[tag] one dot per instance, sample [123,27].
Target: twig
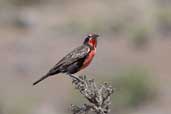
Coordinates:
[99,97]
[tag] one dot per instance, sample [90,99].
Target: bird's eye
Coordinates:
[89,36]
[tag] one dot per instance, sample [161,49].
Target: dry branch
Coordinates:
[99,97]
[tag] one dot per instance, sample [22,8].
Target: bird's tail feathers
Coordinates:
[41,79]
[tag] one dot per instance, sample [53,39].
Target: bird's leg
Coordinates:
[72,76]
[75,77]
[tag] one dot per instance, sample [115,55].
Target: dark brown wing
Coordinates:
[77,54]
[73,57]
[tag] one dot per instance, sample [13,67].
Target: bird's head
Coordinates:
[91,39]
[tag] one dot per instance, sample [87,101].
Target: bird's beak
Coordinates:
[96,35]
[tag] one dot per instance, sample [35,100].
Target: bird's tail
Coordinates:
[41,79]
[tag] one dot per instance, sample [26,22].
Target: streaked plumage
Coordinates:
[76,60]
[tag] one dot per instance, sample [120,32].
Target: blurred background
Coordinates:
[133,53]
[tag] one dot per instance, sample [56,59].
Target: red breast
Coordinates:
[91,40]
[88,59]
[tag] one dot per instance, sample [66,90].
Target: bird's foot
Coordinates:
[75,78]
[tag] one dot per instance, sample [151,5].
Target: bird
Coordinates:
[76,60]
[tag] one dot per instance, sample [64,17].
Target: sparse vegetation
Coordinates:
[134,87]
[99,97]
[164,21]
[139,37]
